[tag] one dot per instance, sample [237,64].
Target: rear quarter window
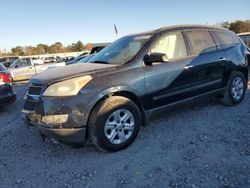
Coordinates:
[200,41]
[225,38]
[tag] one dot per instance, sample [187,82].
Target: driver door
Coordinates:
[162,78]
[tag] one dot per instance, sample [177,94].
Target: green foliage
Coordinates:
[46,49]
[77,46]
[238,26]
[18,51]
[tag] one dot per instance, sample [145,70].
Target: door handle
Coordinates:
[188,66]
[222,59]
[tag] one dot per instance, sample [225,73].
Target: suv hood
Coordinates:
[70,71]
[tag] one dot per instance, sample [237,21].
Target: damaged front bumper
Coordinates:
[61,118]
[63,135]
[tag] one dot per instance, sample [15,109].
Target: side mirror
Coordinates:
[155,58]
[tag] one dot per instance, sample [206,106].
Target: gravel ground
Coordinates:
[203,144]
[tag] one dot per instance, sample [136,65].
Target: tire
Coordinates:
[106,128]
[229,97]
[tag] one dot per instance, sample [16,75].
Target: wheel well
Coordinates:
[130,96]
[244,71]
[136,100]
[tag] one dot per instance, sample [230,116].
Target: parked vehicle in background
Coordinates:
[97,49]
[6,61]
[69,58]
[7,94]
[245,37]
[55,65]
[75,60]
[50,60]
[134,79]
[25,68]
[86,59]
[59,59]
[53,59]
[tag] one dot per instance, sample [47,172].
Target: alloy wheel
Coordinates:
[237,88]
[119,126]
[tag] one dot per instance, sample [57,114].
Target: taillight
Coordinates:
[5,78]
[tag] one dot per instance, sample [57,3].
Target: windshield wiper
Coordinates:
[100,62]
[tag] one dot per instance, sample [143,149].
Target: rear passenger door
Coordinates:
[209,62]
[234,50]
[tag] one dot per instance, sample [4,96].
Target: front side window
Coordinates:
[23,63]
[121,51]
[171,44]
[20,63]
[200,41]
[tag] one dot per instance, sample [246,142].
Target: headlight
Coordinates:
[68,87]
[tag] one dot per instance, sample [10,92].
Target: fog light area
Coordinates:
[55,119]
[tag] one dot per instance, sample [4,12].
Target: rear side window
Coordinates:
[171,44]
[225,38]
[200,41]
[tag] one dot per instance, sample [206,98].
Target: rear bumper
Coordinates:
[64,135]
[7,100]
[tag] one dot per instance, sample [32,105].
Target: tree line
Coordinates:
[238,26]
[49,49]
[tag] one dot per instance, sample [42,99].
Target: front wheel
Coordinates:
[235,90]
[114,123]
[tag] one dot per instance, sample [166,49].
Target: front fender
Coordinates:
[109,91]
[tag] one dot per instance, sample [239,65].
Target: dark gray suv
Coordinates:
[133,79]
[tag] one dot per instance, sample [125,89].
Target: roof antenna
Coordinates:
[115,30]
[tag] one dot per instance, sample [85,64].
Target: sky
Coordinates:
[30,22]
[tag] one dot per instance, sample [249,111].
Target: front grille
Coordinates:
[34,90]
[29,105]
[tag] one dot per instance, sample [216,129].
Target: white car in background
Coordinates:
[245,37]
[25,68]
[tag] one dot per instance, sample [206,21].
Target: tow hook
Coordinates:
[42,136]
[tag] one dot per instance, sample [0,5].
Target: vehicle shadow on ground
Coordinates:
[60,149]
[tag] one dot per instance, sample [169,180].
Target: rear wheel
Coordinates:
[235,90]
[114,123]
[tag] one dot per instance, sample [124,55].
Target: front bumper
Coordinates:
[63,135]
[62,118]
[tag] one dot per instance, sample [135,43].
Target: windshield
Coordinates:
[121,51]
